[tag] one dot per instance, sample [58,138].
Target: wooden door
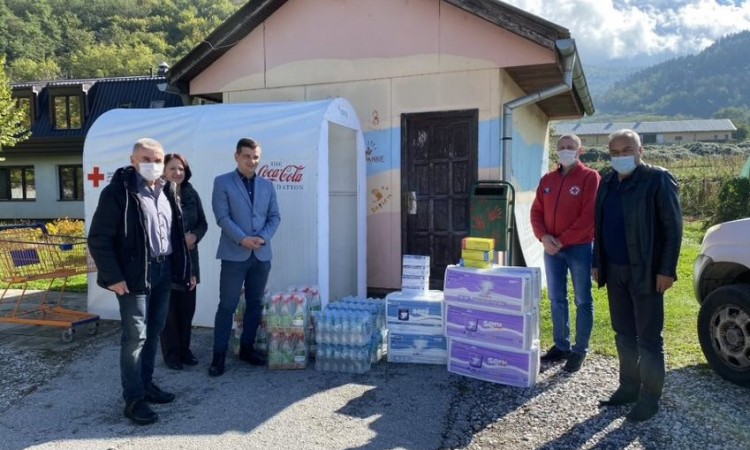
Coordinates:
[438,167]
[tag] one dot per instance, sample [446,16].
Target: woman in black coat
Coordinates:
[175,339]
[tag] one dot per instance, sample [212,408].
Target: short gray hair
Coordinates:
[149,143]
[572,136]
[626,133]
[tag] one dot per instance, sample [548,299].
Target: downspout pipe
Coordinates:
[567,49]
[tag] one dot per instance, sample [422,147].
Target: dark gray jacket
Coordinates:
[194,220]
[118,240]
[653,226]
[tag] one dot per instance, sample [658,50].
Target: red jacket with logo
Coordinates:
[564,205]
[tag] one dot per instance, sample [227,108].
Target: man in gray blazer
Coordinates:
[246,211]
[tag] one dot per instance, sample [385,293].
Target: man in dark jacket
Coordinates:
[137,240]
[638,233]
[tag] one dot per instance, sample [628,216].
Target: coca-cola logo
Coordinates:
[290,173]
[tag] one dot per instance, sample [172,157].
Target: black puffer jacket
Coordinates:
[194,220]
[118,239]
[653,226]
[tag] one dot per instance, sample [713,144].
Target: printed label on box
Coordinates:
[415,312]
[493,364]
[492,327]
[417,348]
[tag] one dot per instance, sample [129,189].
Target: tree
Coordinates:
[12,128]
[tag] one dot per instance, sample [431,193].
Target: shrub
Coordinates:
[733,202]
[67,227]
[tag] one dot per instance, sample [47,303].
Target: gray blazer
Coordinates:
[238,218]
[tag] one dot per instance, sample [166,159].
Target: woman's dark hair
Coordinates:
[170,156]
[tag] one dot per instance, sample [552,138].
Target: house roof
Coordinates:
[101,95]
[670,126]
[530,79]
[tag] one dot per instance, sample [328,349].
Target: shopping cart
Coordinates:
[29,253]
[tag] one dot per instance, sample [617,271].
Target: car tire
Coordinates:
[724,332]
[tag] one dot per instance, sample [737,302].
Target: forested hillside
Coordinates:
[56,39]
[700,85]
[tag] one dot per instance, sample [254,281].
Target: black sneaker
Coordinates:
[554,354]
[251,356]
[140,413]
[620,397]
[643,410]
[574,362]
[153,394]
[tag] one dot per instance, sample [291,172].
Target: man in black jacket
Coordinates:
[137,241]
[638,233]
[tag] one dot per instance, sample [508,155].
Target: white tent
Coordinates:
[314,153]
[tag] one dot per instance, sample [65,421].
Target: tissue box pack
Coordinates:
[494,327]
[494,364]
[411,312]
[416,260]
[513,290]
[417,348]
[476,243]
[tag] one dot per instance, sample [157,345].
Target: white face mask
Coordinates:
[623,164]
[567,157]
[150,171]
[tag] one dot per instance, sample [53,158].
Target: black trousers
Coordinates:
[175,338]
[638,321]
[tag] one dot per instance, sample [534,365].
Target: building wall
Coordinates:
[450,60]
[46,205]
[665,138]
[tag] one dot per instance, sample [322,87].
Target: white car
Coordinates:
[721,280]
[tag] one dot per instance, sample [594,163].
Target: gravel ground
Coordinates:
[699,410]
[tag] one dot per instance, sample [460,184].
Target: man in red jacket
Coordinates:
[562,217]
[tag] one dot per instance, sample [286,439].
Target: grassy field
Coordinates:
[681,312]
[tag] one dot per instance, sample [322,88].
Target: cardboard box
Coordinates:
[492,327]
[478,255]
[412,312]
[512,290]
[416,260]
[475,263]
[417,348]
[476,243]
[493,364]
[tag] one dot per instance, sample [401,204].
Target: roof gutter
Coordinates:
[573,78]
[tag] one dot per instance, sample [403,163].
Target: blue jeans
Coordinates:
[577,260]
[142,318]
[254,275]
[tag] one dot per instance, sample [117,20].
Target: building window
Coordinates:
[678,138]
[157,104]
[17,183]
[68,112]
[24,104]
[71,182]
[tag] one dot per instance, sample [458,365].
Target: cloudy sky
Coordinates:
[649,31]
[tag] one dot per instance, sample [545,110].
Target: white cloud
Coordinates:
[611,29]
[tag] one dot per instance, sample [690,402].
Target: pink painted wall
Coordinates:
[351,30]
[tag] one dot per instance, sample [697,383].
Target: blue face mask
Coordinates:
[623,164]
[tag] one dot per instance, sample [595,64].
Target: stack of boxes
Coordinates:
[415,317]
[492,323]
[477,252]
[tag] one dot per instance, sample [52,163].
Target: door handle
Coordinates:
[411,203]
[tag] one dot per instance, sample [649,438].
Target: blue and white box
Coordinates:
[492,327]
[417,348]
[513,290]
[411,312]
[494,364]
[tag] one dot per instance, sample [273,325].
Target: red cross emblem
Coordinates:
[95,176]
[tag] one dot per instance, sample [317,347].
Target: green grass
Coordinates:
[681,311]
[77,283]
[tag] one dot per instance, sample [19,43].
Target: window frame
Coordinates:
[78,179]
[68,116]
[7,196]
